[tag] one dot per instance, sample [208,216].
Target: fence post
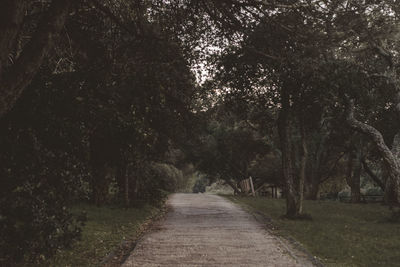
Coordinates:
[252,187]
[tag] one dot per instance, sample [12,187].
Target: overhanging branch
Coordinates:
[19,75]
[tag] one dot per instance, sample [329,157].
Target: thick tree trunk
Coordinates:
[390,192]
[390,195]
[390,157]
[15,78]
[391,161]
[284,128]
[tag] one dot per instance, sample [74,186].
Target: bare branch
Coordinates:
[372,174]
[254,50]
[114,18]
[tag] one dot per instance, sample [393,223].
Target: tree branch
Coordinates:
[389,158]
[372,175]
[19,75]
[12,14]
[332,170]
[254,50]
[385,54]
[111,16]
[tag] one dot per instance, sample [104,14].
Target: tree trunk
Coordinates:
[390,157]
[390,196]
[390,193]
[313,193]
[303,165]
[391,161]
[396,145]
[15,78]
[130,184]
[353,176]
[315,175]
[126,191]
[98,163]
[284,128]
[355,188]
[123,181]
[99,184]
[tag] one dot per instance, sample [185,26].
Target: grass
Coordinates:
[105,229]
[339,234]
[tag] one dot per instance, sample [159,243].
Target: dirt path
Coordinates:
[208,230]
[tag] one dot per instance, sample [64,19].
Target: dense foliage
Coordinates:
[96,124]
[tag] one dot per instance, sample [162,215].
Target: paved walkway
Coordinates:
[208,230]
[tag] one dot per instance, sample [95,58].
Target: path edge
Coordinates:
[295,249]
[122,252]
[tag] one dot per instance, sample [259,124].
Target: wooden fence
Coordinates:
[364,198]
[247,186]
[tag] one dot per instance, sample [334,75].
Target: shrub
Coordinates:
[34,226]
[375,191]
[36,187]
[156,180]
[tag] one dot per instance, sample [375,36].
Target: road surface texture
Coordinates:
[208,230]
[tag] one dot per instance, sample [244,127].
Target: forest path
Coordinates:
[208,230]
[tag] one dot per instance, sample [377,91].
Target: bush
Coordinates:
[375,191]
[34,226]
[343,194]
[167,176]
[36,187]
[156,180]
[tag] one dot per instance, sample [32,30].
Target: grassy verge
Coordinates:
[105,229]
[340,234]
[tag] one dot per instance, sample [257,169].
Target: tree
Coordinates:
[376,29]
[227,146]
[278,52]
[107,98]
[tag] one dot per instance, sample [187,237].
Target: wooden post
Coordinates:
[252,187]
